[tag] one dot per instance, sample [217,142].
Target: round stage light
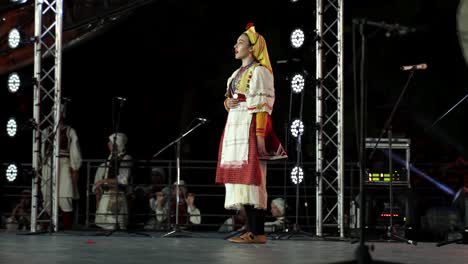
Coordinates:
[18,1]
[14,82]
[297,175]
[11,172]
[14,38]
[12,127]
[297,83]
[297,128]
[297,38]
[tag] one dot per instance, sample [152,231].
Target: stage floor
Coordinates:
[121,247]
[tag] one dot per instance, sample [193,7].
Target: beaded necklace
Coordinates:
[235,82]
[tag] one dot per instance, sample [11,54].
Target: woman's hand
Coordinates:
[74,178]
[261,146]
[190,201]
[232,103]
[160,200]
[99,184]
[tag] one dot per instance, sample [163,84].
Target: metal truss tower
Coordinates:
[47,111]
[329,115]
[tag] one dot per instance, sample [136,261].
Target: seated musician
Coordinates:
[110,185]
[188,213]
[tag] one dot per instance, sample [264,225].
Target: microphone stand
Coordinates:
[362,254]
[116,169]
[390,28]
[176,230]
[362,251]
[387,129]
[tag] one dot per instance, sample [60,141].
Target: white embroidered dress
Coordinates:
[235,146]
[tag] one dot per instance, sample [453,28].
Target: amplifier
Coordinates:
[378,166]
[383,178]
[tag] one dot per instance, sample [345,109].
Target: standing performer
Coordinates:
[110,189]
[70,163]
[248,135]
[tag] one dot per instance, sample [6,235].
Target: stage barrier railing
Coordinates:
[209,198]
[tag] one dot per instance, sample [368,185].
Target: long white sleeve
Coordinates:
[161,215]
[75,151]
[195,216]
[100,172]
[261,95]
[125,170]
[275,225]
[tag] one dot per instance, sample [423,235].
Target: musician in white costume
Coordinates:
[111,189]
[70,163]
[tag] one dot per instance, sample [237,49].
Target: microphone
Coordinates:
[204,120]
[397,30]
[121,98]
[405,30]
[281,61]
[391,29]
[421,66]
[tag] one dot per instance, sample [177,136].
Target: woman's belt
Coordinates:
[241,97]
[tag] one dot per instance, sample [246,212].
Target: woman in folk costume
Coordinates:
[248,136]
[110,189]
[70,163]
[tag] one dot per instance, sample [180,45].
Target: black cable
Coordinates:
[286,142]
[362,162]
[300,159]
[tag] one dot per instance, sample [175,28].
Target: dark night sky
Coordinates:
[171,60]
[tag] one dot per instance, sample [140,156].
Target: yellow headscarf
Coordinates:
[260,51]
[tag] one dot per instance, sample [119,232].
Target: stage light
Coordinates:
[14,38]
[297,128]
[297,83]
[14,82]
[11,172]
[11,127]
[294,1]
[297,175]
[17,38]
[18,1]
[297,38]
